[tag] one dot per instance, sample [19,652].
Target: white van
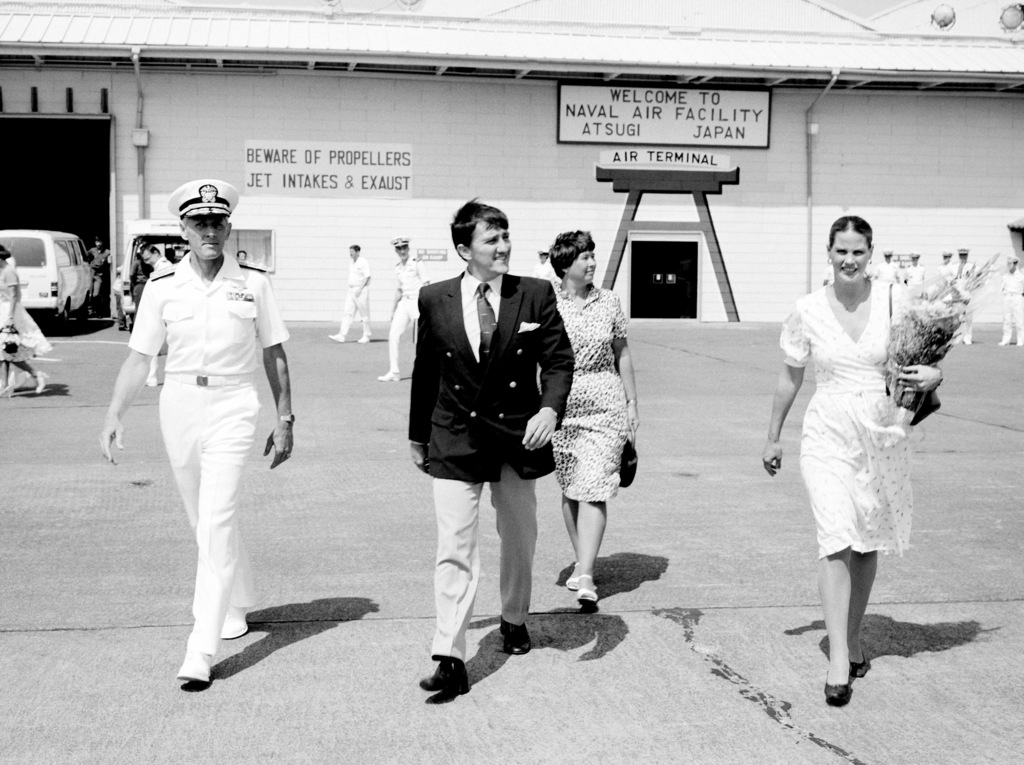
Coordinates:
[138,235]
[55,275]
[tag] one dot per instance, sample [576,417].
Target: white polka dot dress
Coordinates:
[857,473]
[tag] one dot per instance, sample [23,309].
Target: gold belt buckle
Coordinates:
[202,381]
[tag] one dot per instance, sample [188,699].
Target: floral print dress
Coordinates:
[856,469]
[588,443]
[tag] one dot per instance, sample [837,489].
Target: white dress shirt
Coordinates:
[358,272]
[470,316]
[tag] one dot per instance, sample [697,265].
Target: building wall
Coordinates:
[930,172]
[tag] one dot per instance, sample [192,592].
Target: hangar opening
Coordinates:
[57,174]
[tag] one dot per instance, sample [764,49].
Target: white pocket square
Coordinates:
[528,326]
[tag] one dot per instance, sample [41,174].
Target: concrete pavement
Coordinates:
[708,646]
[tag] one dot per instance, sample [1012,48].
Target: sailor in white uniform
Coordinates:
[217,318]
[410,276]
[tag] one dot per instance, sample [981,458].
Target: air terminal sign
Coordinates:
[663,116]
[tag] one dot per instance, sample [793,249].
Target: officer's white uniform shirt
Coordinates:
[211,330]
[410,277]
[545,271]
[358,272]
[1013,284]
[885,272]
[914,276]
[948,271]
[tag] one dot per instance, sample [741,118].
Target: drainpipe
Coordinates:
[809,133]
[140,151]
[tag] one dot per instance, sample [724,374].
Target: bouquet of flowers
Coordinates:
[931,326]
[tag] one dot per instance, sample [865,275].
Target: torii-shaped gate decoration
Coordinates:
[699,183]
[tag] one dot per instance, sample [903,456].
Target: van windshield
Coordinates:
[26,252]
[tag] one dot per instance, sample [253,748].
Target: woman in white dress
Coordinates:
[856,470]
[30,340]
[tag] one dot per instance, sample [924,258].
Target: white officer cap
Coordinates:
[207,196]
[1012,259]
[915,256]
[402,241]
[947,254]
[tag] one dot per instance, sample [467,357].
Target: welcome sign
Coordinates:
[663,116]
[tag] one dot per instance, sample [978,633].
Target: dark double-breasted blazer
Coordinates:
[473,415]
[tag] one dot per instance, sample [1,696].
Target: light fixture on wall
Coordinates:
[1012,17]
[140,137]
[944,17]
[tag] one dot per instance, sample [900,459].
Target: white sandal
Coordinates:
[587,595]
[573,582]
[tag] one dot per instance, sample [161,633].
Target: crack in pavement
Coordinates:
[776,709]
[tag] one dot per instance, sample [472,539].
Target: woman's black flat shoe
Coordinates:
[838,695]
[859,668]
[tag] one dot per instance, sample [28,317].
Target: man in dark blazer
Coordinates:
[477,416]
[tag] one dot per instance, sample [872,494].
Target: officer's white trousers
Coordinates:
[406,313]
[1013,317]
[208,433]
[356,305]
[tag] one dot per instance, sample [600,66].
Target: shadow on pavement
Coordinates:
[622,572]
[884,636]
[288,624]
[564,630]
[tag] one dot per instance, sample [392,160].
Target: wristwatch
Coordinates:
[289,418]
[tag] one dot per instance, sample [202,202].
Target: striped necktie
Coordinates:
[488,324]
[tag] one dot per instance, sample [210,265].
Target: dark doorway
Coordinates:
[57,173]
[663,279]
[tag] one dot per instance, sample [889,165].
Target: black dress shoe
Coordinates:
[449,679]
[517,638]
[838,695]
[859,668]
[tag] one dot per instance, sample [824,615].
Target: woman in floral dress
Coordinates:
[602,410]
[30,341]
[855,468]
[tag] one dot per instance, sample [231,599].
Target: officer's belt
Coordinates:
[209,380]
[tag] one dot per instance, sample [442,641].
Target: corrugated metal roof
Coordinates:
[793,16]
[51,29]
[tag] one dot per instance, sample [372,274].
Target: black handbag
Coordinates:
[627,468]
[929,403]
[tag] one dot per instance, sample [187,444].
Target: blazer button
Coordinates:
[458,387]
[449,354]
[512,384]
[519,352]
[472,414]
[501,417]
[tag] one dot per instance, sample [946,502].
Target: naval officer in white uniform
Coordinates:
[217,318]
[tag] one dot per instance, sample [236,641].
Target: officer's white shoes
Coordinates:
[234,624]
[337,338]
[364,339]
[390,377]
[196,668]
[151,382]
[1004,342]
